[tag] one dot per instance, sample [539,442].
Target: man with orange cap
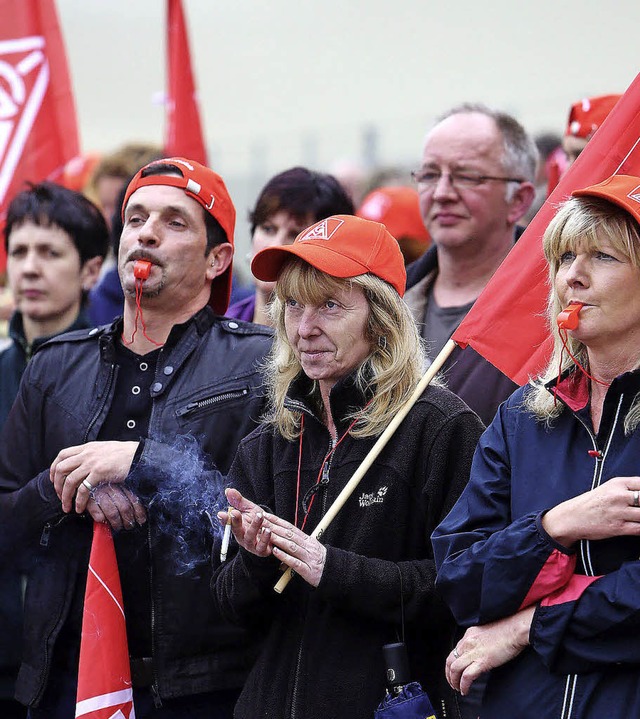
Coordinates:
[105,421]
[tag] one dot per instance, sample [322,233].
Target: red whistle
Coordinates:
[568,318]
[141,269]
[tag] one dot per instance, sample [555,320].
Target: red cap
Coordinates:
[622,190]
[207,188]
[586,116]
[340,246]
[398,209]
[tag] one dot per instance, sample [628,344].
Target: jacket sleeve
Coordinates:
[489,566]
[369,586]
[591,625]
[28,499]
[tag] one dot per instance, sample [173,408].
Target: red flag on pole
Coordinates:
[104,676]
[183,130]
[38,132]
[507,323]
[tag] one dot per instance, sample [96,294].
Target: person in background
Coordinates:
[346,358]
[56,241]
[475,183]
[585,117]
[539,558]
[398,208]
[289,202]
[104,419]
[113,171]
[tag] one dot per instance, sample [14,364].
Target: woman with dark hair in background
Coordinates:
[289,202]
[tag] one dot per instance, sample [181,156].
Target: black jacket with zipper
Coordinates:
[323,653]
[207,386]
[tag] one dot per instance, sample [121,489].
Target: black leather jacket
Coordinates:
[207,385]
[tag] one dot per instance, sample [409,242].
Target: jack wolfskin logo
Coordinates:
[23,84]
[323,230]
[366,499]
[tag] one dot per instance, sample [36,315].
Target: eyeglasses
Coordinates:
[429,179]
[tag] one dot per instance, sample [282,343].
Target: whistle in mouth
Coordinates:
[141,269]
[568,318]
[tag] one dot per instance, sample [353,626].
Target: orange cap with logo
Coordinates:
[398,208]
[586,116]
[341,246]
[208,189]
[622,190]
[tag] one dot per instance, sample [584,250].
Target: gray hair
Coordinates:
[521,156]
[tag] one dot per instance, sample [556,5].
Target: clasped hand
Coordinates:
[103,466]
[265,534]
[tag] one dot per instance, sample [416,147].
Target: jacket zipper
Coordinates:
[214,399]
[572,679]
[155,690]
[323,483]
[94,419]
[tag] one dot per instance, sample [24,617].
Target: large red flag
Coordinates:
[507,324]
[104,676]
[38,132]
[183,129]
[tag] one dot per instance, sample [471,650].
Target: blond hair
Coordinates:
[585,222]
[389,374]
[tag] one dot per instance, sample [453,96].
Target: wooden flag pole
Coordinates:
[380,444]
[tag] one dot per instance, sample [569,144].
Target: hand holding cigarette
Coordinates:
[246,520]
[265,534]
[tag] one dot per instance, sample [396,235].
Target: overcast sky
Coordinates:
[286,81]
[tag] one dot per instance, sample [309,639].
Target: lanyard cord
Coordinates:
[565,348]
[139,317]
[327,457]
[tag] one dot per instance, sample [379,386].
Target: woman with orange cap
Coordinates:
[539,557]
[346,358]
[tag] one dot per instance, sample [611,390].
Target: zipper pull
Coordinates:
[155,693]
[325,475]
[595,453]
[46,532]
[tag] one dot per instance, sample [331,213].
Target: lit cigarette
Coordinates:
[226,537]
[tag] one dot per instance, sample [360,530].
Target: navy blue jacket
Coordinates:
[494,558]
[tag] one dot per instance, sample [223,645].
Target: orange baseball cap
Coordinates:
[398,208]
[622,190]
[340,246]
[205,187]
[586,116]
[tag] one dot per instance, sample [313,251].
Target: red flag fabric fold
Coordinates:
[104,675]
[183,129]
[38,131]
[507,323]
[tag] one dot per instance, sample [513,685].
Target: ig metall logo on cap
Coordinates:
[635,194]
[323,230]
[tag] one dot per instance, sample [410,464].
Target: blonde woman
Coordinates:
[539,557]
[347,356]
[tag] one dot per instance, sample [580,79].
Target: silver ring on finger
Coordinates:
[456,653]
[636,498]
[87,484]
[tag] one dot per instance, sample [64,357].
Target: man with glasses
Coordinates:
[475,182]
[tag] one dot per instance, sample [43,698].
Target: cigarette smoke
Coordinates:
[182,494]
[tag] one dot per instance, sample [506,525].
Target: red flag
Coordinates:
[507,323]
[38,132]
[184,132]
[104,676]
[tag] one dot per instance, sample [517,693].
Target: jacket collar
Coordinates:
[16,331]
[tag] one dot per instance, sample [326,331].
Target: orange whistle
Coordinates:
[141,269]
[568,318]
